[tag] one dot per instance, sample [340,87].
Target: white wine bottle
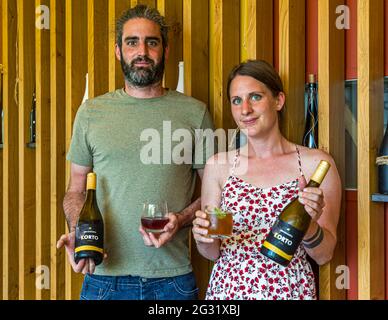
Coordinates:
[291,226]
[181,78]
[89,232]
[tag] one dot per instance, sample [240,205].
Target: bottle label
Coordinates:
[283,239]
[89,236]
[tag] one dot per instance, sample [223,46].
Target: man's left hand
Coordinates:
[159,239]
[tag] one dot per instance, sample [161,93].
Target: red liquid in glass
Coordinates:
[155,224]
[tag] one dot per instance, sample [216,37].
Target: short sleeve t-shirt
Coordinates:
[141,150]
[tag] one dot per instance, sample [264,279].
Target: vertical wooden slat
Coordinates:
[370,56]
[116,79]
[57,146]
[196,58]
[10,155]
[257,30]
[196,48]
[150,3]
[351,243]
[331,75]
[291,66]
[224,55]
[1,150]
[26,74]
[173,12]
[76,69]
[42,51]
[97,47]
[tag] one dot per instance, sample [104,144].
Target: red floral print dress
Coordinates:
[242,272]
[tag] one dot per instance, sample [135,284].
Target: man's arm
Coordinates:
[75,195]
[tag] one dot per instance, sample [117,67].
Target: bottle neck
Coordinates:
[313,184]
[90,196]
[312,91]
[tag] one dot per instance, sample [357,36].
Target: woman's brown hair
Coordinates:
[259,70]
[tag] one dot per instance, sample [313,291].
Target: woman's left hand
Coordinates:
[312,198]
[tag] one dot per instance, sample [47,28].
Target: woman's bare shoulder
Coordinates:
[221,162]
[311,157]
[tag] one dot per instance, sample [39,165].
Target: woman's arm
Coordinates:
[210,195]
[323,204]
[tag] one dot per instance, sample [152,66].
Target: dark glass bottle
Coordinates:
[33,120]
[383,168]
[89,232]
[310,136]
[291,226]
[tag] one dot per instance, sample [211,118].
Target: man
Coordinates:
[109,138]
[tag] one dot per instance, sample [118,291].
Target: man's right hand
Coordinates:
[84,265]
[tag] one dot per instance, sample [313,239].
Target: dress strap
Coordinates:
[237,155]
[299,161]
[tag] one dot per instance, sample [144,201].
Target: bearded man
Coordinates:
[109,136]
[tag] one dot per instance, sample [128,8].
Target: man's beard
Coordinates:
[142,76]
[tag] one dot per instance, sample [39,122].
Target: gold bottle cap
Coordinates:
[91,181]
[320,171]
[311,78]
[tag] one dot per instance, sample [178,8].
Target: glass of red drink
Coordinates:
[154,216]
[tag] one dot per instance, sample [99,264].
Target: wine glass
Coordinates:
[154,216]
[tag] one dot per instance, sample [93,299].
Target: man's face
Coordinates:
[142,54]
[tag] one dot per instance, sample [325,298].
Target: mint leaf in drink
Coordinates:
[220,214]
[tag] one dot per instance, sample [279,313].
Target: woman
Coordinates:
[255,184]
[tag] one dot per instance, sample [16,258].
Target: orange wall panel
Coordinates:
[311,37]
[351,42]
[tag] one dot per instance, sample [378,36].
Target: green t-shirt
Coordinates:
[128,142]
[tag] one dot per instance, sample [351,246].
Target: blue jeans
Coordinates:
[137,288]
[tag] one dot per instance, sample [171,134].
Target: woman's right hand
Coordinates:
[200,225]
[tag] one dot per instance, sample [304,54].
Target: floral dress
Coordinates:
[241,271]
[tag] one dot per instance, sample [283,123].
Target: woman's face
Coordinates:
[253,106]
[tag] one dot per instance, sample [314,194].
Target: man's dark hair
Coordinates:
[142,11]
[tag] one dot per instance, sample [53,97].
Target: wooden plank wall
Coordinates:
[370,57]
[57,146]
[43,179]
[196,84]
[27,177]
[210,36]
[10,224]
[291,65]
[76,19]
[331,75]
[1,150]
